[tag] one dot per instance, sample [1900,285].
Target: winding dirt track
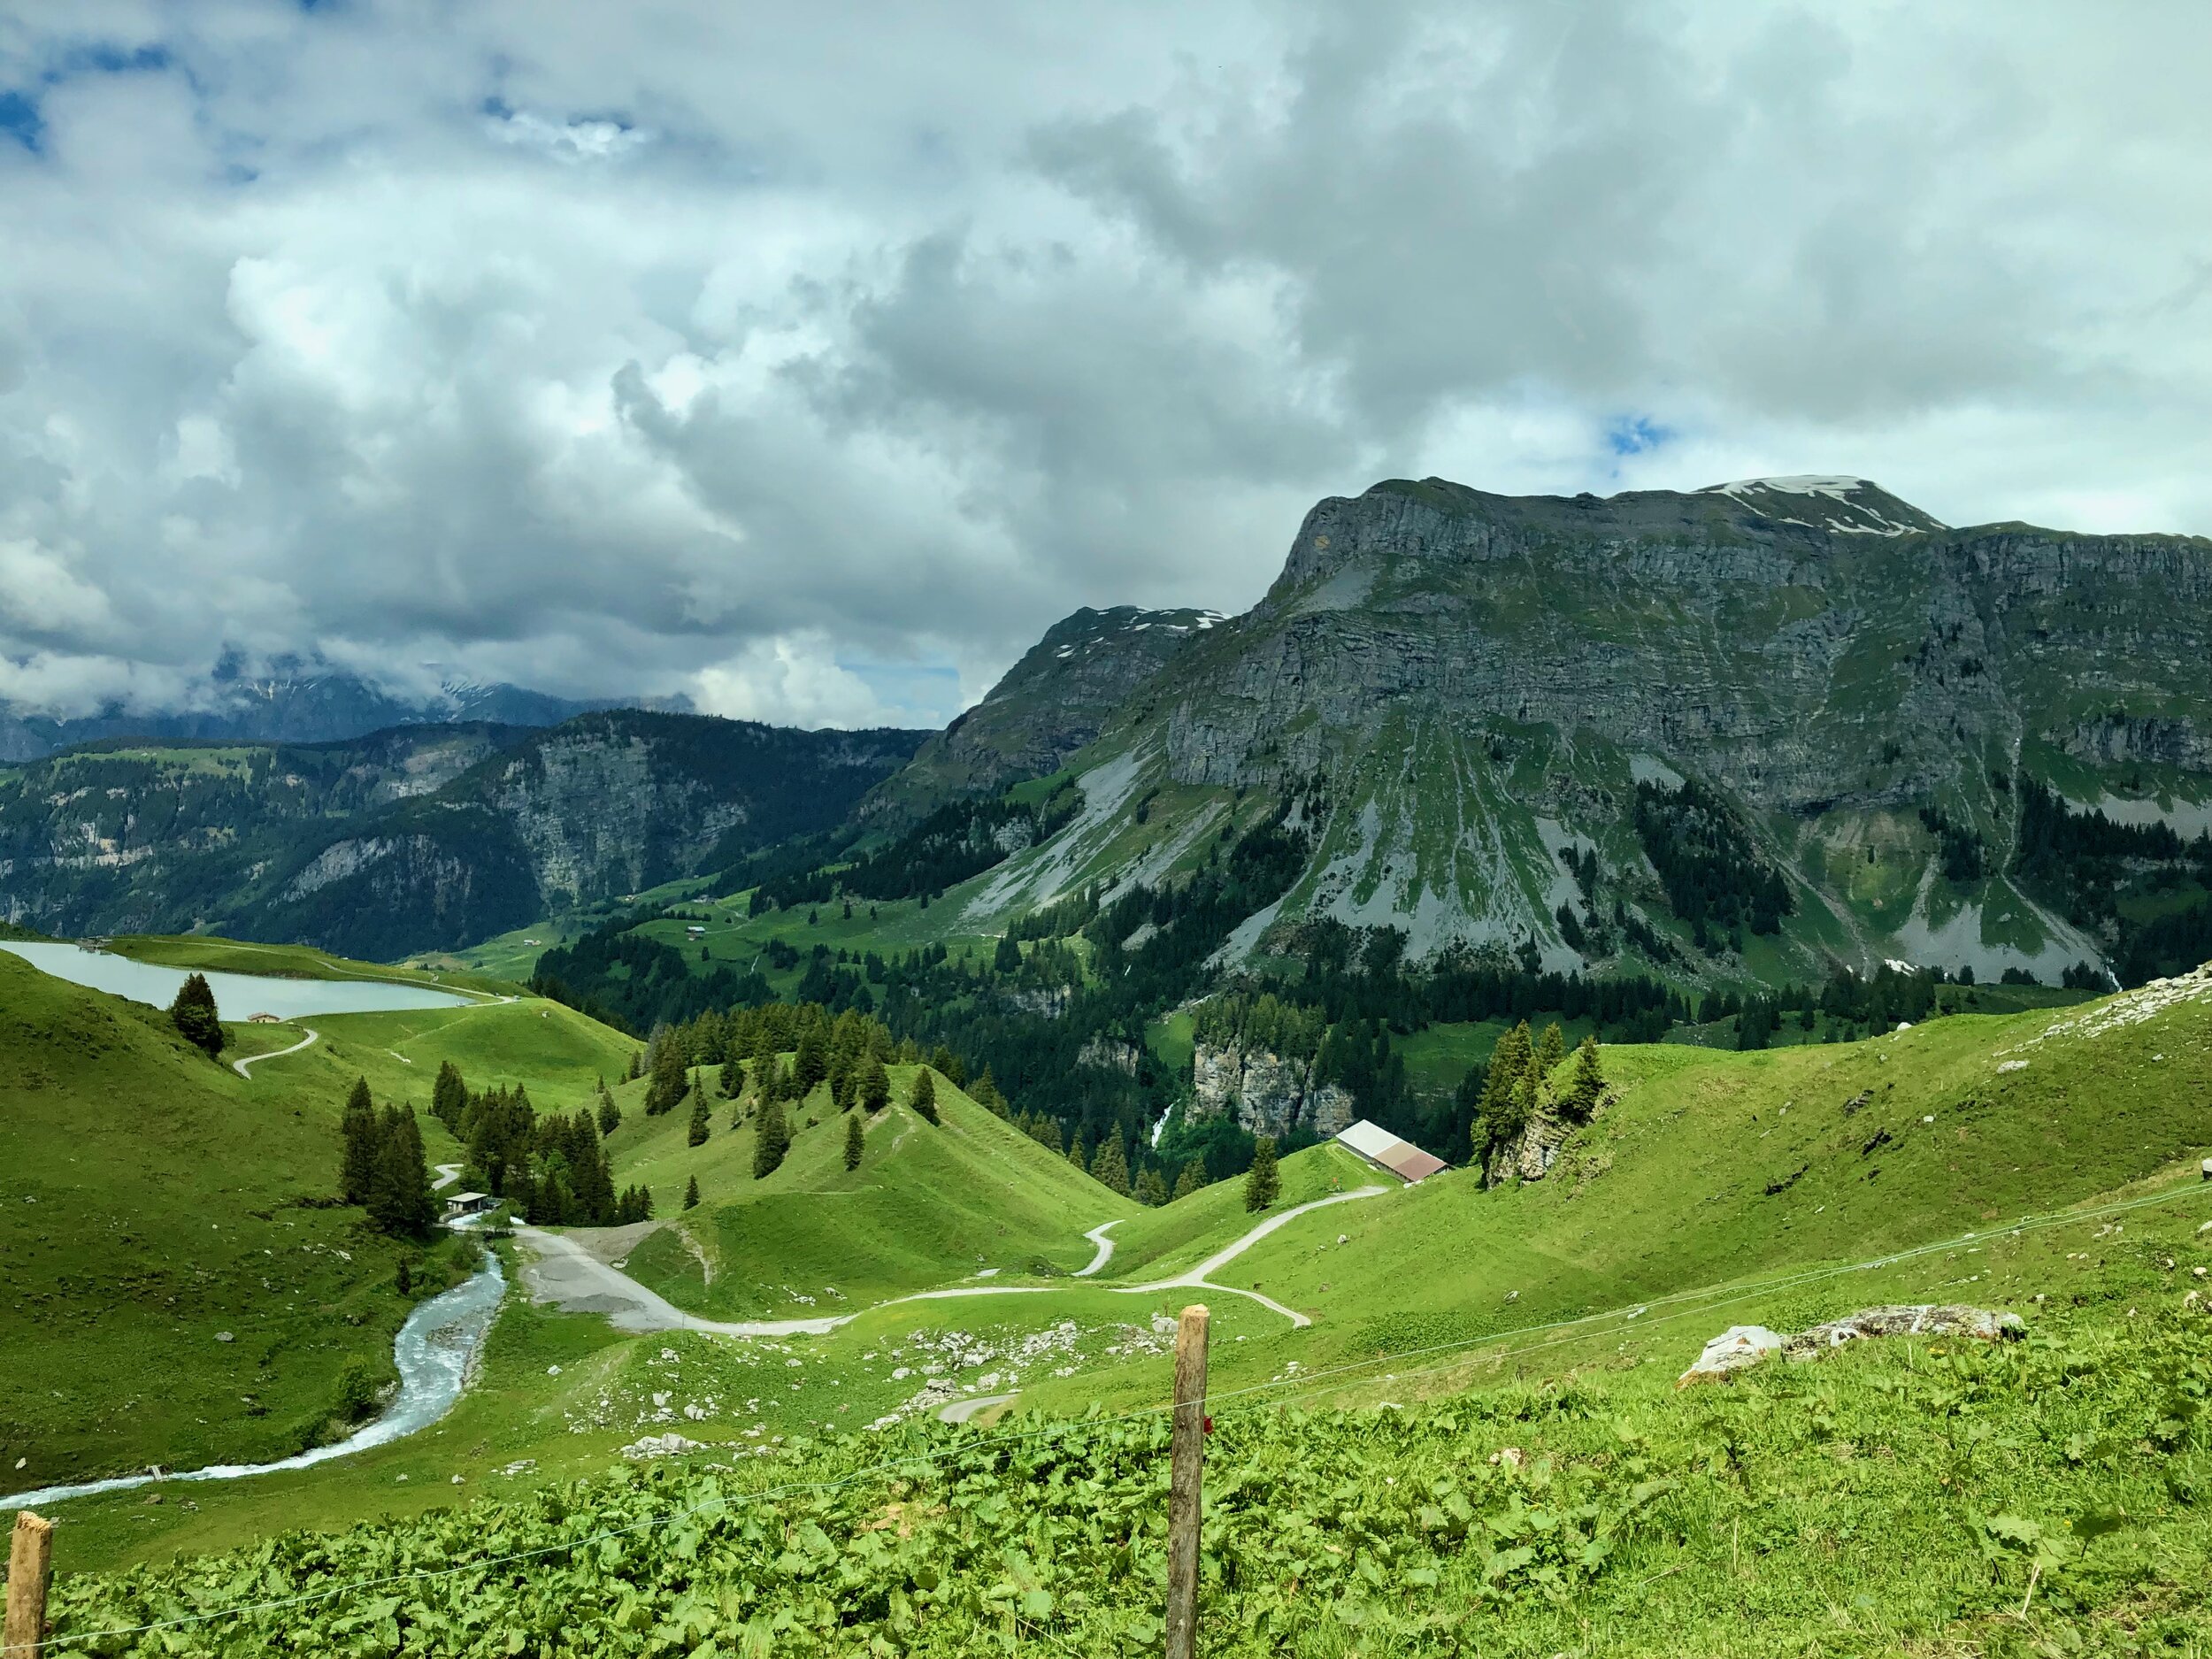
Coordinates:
[570,1277]
[240,1066]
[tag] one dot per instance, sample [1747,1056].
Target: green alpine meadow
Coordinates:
[1311,831]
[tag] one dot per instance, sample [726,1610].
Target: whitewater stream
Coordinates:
[433,1351]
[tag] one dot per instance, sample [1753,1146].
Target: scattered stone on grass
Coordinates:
[1743,1345]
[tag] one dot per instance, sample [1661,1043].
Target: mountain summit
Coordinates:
[1749,732]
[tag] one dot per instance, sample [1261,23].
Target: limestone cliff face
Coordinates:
[1266,1093]
[1473,687]
[1760,649]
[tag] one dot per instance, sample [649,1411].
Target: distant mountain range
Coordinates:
[1749,734]
[416,838]
[300,708]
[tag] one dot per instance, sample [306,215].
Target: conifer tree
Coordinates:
[193,1014]
[1508,1060]
[594,1181]
[1109,1166]
[1550,1050]
[358,1144]
[1151,1186]
[698,1133]
[670,1080]
[733,1079]
[691,1193]
[637,1068]
[609,1114]
[873,1086]
[809,1065]
[924,1099]
[1193,1178]
[1008,958]
[986,1093]
[1262,1182]
[771,1140]
[399,1187]
[1075,1152]
[1586,1084]
[855,1142]
[449,1095]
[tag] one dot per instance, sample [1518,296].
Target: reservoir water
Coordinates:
[237,995]
[434,1350]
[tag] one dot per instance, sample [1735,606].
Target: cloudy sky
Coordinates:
[809,360]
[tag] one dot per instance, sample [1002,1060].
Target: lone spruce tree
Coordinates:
[772,1139]
[357,1144]
[691,1193]
[669,1078]
[855,1142]
[924,1099]
[875,1086]
[1262,1182]
[609,1114]
[698,1133]
[193,1014]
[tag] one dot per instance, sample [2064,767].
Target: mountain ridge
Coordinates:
[1475,685]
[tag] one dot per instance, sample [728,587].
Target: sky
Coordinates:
[809,361]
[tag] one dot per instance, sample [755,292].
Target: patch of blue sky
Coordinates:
[20,121]
[1635,434]
[21,116]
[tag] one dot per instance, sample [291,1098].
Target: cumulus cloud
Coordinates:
[812,366]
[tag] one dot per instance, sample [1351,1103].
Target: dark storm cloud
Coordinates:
[791,361]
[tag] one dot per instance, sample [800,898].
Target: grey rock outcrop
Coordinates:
[1472,683]
[1267,1092]
[1743,1345]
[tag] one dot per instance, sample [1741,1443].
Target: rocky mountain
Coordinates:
[1048,705]
[414,838]
[1750,732]
[301,707]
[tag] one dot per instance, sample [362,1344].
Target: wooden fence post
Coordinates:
[1185,1482]
[27,1558]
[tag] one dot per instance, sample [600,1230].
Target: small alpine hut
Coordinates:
[1386,1151]
[469,1204]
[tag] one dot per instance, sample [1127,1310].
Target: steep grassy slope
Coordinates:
[155,1201]
[930,1204]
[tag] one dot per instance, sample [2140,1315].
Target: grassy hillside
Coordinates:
[1928,1496]
[930,1204]
[155,1202]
